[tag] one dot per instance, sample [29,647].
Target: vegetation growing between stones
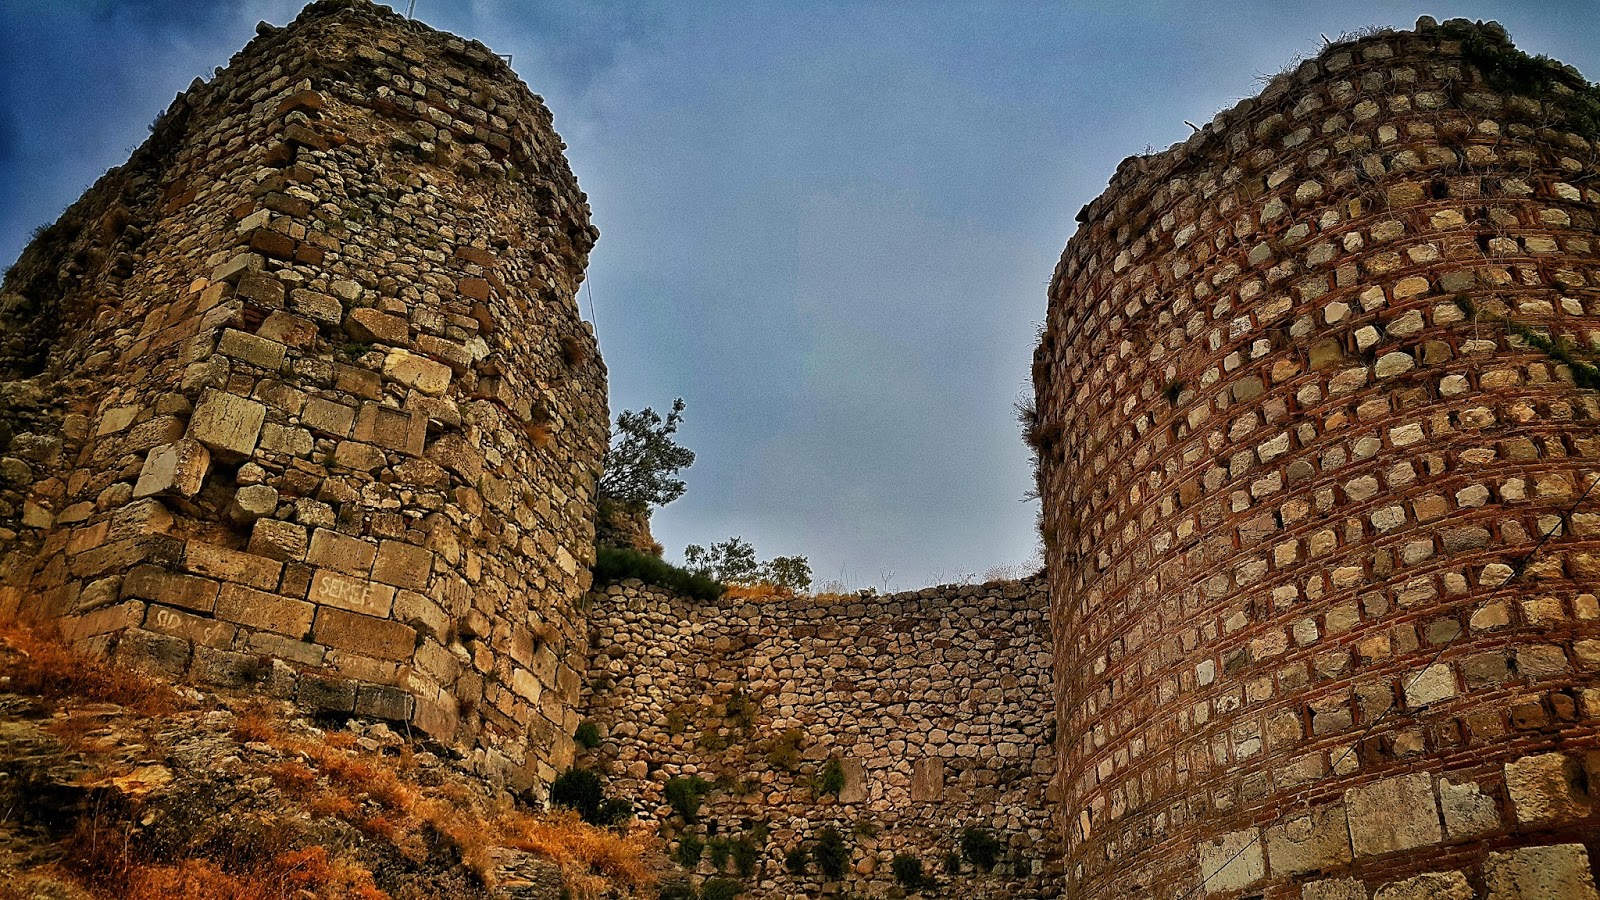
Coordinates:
[830,779]
[831,853]
[613,564]
[908,873]
[582,791]
[980,847]
[1514,71]
[685,794]
[1584,374]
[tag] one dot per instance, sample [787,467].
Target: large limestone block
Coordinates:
[1547,788]
[377,327]
[178,468]
[927,780]
[416,371]
[1558,872]
[1232,862]
[1393,814]
[227,423]
[1311,842]
[369,636]
[1429,886]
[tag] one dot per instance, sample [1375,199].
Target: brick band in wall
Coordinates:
[1305,402]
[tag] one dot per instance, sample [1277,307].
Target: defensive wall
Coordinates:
[934,705]
[300,395]
[1316,412]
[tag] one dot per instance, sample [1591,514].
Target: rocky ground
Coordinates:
[114,784]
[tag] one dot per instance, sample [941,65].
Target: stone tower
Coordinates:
[300,395]
[1314,386]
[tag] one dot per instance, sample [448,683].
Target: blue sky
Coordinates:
[828,226]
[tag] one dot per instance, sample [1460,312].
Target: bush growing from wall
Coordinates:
[981,848]
[797,861]
[908,872]
[690,848]
[684,795]
[830,780]
[587,736]
[613,564]
[721,889]
[831,853]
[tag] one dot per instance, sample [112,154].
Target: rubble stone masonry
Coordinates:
[300,395]
[934,704]
[1306,407]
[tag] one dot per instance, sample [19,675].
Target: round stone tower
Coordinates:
[300,396]
[1316,418]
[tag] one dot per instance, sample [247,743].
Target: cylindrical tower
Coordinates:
[300,396]
[1315,386]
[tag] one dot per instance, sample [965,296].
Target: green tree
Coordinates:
[734,561]
[643,461]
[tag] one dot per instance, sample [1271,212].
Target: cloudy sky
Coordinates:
[827,226]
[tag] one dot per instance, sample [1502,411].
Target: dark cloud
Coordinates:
[827,225]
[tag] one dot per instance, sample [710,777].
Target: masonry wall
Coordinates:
[936,704]
[1297,439]
[300,396]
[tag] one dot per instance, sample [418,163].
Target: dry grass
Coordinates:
[328,775]
[46,668]
[761,590]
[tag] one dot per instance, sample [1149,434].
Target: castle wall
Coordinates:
[1297,436]
[300,396]
[935,703]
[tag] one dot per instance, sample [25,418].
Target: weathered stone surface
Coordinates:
[1428,886]
[417,372]
[178,468]
[354,594]
[226,423]
[1557,872]
[1333,889]
[1318,840]
[1393,814]
[375,326]
[1547,788]
[278,540]
[367,635]
[1232,862]
[1467,810]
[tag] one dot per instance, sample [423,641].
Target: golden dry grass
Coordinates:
[46,668]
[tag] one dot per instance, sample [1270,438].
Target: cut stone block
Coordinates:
[1429,886]
[249,569]
[178,468]
[1319,840]
[855,781]
[251,349]
[1467,810]
[261,610]
[372,326]
[366,635]
[1433,684]
[278,540]
[402,565]
[1333,889]
[341,552]
[158,585]
[418,372]
[354,594]
[1557,872]
[395,429]
[927,780]
[1393,814]
[1232,862]
[1547,788]
[227,423]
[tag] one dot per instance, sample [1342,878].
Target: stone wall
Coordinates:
[934,703]
[1304,414]
[300,396]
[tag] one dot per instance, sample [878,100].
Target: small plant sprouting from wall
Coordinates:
[742,710]
[784,753]
[587,736]
[684,794]
[582,791]
[1513,71]
[746,855]
[690,848]
[831,853]
[721,889]
[830,779]
[797,861]
[980,847]
[1584,375]
[952,863]
[908,873]
[717,847]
